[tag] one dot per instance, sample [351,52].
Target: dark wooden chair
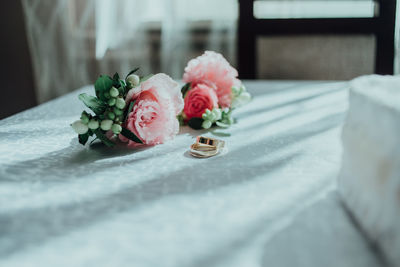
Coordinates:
[382,26]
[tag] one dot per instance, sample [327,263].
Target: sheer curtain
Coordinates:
[72,41]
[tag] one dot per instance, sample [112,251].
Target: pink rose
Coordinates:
[198,99]
[157,103]
[212,69]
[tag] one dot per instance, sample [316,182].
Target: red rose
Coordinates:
[198,99]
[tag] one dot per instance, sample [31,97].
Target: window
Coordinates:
[280,9]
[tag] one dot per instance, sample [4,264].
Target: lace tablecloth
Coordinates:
[270,200]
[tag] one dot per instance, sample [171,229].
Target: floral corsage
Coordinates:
[135,110]
[211,92]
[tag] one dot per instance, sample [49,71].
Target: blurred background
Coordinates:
[52,47]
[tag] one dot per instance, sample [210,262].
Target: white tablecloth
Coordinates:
[269,201]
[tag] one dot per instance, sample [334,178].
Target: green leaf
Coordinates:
[122,83]
[103,138]
[221,134]
[185,89]
[145,78]
[122,87]
[181,120]
[195,123]
[103,83]
[83,138]
[132,72]
[131,136]
[129,110]
[93,103]
[222,125]
[116,76]
[115,80]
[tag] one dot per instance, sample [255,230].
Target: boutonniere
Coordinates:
[212,91]
[135,110]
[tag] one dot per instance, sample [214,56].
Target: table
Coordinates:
[271,200]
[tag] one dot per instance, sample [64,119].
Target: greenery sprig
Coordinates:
[109,108]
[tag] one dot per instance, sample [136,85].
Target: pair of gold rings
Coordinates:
[206,147]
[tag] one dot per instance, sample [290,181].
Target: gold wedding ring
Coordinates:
[203,151]
[206,147]
[209,141]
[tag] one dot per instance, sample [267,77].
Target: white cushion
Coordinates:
[369,180]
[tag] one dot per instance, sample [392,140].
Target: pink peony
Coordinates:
[157,103]
[214,70]
[198,99]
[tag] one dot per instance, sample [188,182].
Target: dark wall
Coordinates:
[16,86]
